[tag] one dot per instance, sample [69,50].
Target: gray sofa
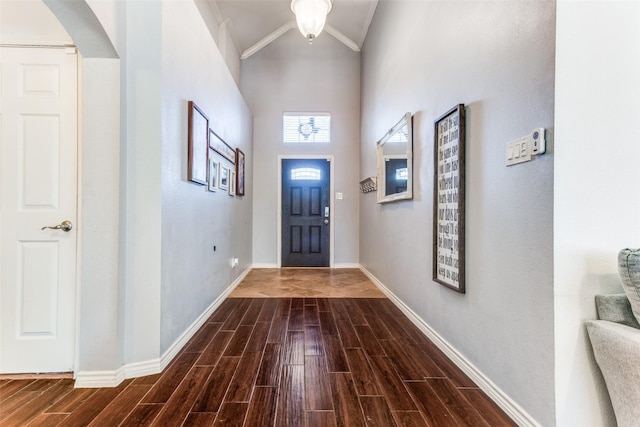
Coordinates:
[615,339]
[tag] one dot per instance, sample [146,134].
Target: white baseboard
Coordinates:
[265,265]
[171,352]
[346,265]
[515,411]
[95,379]
[337,265]
[141,369]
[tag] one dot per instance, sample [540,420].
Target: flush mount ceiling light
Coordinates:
[311,16]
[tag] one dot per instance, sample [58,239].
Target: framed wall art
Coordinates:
[239,172]
[232,183]
[198,145]
[449,199]
[214,167]
[221,147]
[223,182]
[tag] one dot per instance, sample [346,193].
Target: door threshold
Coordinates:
[47,376]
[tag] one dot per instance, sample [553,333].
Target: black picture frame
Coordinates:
[449,200]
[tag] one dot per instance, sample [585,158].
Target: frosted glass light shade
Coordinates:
[311,16]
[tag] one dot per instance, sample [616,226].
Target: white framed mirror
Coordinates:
[395,162]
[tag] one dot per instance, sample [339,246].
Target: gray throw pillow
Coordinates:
[629,269]
[616,308]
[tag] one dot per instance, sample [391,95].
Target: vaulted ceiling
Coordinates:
[253,24]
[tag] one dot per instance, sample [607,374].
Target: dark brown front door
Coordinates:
[305,212]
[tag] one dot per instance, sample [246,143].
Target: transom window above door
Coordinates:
[306,128]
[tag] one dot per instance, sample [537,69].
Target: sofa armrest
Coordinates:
[616,348]
[616,308]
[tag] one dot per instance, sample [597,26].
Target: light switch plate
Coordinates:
[523,149]
[518,151]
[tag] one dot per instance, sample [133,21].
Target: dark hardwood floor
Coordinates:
[277,362]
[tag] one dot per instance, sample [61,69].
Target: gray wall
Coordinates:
[290,75]
[169,273]
[193,219]
[497,58]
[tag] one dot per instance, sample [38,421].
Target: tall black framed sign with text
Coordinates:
[448,200]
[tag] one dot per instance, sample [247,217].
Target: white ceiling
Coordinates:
[253,24]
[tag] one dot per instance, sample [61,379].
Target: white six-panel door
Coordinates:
[38,188]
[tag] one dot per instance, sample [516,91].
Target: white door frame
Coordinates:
[79,172]
[332,215]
